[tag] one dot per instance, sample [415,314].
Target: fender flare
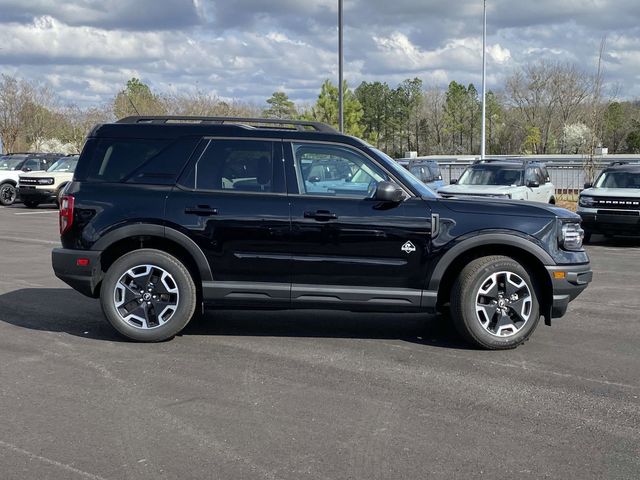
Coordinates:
[483,239]
[158,231]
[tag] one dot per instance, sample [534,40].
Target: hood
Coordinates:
[477,189]
[499,206]
[612,192]
[10,175]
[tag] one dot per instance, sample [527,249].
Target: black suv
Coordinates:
[167,214]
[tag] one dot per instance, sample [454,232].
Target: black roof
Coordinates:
[509,162]
[168,127]
[623,167]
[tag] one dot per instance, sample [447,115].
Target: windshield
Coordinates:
[619,180]
[66,164]
[486,175]
[406,175]
[8,163]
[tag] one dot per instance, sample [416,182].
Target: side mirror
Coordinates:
[314,179]
[588,185]
[454,181]
[388,192]
[533,184]
[26,169]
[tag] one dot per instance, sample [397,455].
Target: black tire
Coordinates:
[31,203]
[180,280]
[8,194]
[465,294]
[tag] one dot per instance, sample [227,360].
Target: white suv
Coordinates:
[14,164]
[504,178]
[41,187]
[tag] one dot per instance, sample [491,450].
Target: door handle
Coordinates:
[201,211]
[321,215]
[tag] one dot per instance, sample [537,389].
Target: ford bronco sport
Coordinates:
[513,178]
[611,205]
[169,214]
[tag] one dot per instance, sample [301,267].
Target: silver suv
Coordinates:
[611,205]
[516,179]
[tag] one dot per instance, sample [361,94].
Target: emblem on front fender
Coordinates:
[408,247]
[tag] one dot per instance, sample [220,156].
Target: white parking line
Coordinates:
[36,213]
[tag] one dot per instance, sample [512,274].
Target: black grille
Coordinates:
[28,181]
[615,203]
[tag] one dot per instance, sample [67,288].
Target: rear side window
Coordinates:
[236,166]
[133,160]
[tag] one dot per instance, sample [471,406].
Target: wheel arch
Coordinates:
[134,237]
[530,255]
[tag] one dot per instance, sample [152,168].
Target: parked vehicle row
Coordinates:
[22,176]
[167,215]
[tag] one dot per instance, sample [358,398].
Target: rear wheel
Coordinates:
[8,194]
[494,304]
[148,295]
[31,203]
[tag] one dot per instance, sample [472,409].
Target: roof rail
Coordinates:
[505,160]
[271,123]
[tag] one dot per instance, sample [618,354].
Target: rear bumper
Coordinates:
[84,279]
[622,223]
[36,194]
[567,287]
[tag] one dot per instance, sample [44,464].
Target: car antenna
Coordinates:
[132,104]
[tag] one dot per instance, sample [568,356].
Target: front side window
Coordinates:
[236,165]
[33,164]
[333,170]
[11,163]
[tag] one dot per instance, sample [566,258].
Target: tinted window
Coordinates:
[236,165]
[32,163]
[491,175]
[618,180]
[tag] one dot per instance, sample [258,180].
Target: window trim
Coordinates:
[299,179]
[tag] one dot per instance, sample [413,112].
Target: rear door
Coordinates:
[232,202]
[347,248]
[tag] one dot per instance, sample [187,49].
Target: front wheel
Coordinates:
[148,295]
[494,304]
[8,194]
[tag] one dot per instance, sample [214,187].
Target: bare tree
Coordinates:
[14,96]
[596,112]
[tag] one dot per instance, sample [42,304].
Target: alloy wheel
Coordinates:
[503,304]
[146,296]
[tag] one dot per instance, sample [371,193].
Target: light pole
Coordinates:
[483,140]
[340,70]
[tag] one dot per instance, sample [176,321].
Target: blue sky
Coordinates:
[247,49]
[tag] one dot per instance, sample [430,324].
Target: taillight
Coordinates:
[66,213]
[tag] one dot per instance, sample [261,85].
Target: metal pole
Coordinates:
[340,69]
[483,141]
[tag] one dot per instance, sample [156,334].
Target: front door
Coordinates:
[232,202]
[346,247]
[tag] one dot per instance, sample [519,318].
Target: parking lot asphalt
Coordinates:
[318,395]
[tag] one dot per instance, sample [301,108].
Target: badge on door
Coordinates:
[408,247]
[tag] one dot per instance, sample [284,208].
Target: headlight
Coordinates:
[572,236]
[500,195]
[45,181]
[585,201]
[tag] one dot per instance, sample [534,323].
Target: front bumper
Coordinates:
[568,282]
[621,222]
[84,279]
[36,194]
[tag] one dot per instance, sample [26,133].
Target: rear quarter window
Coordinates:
[134,160]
